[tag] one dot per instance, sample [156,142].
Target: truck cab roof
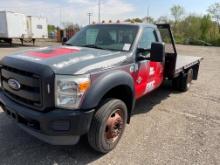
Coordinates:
[140,25]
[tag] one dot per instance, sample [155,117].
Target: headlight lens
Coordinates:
[69,90]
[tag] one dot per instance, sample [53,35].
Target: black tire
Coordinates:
[176,83]
[99,129]
[186,81]
[183,82]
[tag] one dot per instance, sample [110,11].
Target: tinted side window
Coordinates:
[147,38]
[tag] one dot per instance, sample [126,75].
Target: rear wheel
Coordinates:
[183,82]
[108,126]
[176,83]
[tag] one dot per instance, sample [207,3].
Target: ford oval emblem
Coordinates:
[14,84]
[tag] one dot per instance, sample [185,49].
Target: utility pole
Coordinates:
[60,17]
[148,14]
[148,11]
[89,14]
[99,11]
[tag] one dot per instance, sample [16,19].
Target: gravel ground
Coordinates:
[166,128]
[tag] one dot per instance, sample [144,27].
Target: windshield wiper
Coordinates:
[92,46]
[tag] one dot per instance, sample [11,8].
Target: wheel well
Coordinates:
[123,93]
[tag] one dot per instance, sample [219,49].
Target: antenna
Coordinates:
[60,16]
[99,11]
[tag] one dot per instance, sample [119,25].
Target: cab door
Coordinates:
[149,75]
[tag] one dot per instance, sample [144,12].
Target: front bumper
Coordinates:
[57,127]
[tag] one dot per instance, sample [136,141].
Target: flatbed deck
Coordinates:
[185,62]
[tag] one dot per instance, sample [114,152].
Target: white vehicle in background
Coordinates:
[19,26]
[36,27]
[12,25]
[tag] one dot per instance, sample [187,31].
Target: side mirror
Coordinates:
[157,53]
[140,52]
[64,40]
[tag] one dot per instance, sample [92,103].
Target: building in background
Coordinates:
[69,31]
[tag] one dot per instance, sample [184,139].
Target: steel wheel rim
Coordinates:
[189,79]
[114,126]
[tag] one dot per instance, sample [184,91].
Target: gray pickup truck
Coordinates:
[89,86]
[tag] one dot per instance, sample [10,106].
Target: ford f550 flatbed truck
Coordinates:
[89,85]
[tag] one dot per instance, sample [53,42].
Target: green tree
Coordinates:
[214,11]
[206,24]
[138,20]
[134,20]
[177,12]
[51,28]
[188,30]
[192,29]
[69,25]
[128,20]
[148,20]
[163,19]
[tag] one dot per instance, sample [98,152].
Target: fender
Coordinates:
[103,84]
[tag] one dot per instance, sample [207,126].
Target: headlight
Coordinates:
[69,90]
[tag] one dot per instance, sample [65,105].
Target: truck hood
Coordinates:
[73,60]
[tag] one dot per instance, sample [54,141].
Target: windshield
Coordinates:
[110,37]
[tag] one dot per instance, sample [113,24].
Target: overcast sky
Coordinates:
[76,11]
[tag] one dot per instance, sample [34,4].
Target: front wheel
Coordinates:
[108,126]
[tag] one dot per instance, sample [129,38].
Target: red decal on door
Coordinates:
[52,53]
[141,79]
